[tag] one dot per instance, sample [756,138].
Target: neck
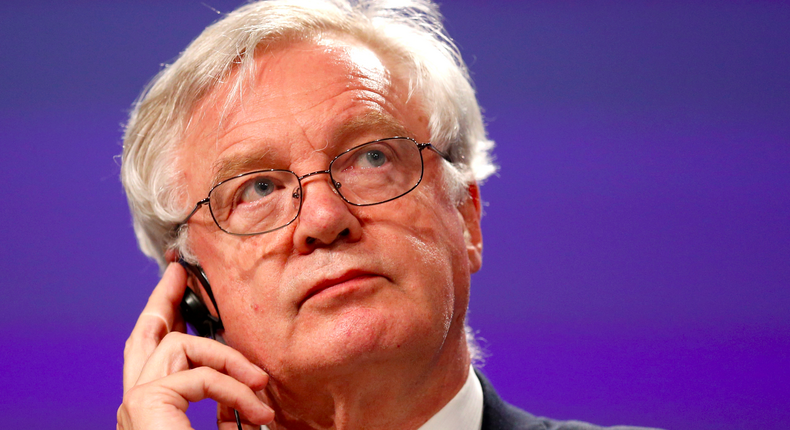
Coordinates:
[402,393]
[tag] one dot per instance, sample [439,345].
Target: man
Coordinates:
[319,162]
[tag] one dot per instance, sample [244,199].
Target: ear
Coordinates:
[171,255]
[471,211]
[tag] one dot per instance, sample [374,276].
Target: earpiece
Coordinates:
[197,315]
[194,311]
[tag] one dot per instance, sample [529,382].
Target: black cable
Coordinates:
[238,420]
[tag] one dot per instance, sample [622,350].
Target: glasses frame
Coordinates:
[335,185]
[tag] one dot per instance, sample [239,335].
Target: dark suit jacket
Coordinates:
[500,415]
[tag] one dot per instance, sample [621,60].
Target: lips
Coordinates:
[335,281]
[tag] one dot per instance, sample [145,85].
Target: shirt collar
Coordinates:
[464,411]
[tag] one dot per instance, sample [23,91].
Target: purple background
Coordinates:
[637,239]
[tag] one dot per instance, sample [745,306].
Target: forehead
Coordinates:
[302,98]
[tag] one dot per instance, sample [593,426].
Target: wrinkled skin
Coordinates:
[355,313]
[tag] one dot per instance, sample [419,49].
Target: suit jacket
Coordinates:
[500,415]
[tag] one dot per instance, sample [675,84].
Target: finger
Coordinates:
[162,403]
[203,382]
[158,318]
[232,426]
[226,419]
[226,416]
[178,352]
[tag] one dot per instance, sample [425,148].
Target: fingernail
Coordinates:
[259,369]
[268,414]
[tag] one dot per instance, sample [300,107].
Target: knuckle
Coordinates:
[136,345]
[146,335]
[208,375]
[173,337]
[174,341]
[133,399]
[122,418]
[153,328]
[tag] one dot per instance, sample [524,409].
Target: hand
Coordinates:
[165,369]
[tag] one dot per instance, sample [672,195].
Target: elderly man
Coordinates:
[314,167]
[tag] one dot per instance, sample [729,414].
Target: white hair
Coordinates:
[410,31]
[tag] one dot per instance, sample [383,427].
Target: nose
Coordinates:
[325,219]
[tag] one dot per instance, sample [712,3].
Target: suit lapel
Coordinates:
[500,415]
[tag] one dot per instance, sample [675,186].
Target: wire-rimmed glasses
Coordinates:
[266,200]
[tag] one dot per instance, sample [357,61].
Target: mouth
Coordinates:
[347,281]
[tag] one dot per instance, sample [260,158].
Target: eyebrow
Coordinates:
[226,168]
[373,122]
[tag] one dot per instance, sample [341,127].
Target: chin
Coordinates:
[368,336]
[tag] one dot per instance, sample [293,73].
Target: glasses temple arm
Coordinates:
[195,209]
[436,150]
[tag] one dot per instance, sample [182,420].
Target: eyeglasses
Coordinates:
[266,200]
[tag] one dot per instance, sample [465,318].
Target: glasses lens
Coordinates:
[377,171]
[256,202]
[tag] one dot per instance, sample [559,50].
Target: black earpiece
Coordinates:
[194,311]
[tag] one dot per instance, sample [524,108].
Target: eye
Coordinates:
[371,158]
[257,189]
[374,157]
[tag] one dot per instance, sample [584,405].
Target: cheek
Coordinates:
[433,242]
[254,322]
[232,265]
[234,262]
